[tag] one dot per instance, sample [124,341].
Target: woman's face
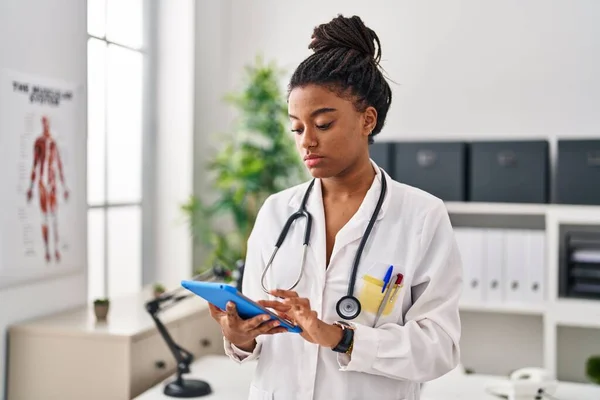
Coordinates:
[331,135]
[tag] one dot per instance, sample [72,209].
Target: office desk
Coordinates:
[230,381]
[458,386]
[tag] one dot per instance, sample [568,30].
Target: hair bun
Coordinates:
[350,33]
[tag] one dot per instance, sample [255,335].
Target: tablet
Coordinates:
[219,294]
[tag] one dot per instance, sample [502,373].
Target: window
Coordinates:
[116,57]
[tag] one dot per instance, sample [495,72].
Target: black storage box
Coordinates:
[509,171]
[578,172]
[383,155]
[579,268]
[435,167]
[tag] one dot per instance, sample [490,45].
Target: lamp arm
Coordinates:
[181,387]
[182,356]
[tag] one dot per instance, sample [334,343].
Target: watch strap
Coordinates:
[345,344]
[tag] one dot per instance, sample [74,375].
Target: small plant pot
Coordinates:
[158,289]
[101,311]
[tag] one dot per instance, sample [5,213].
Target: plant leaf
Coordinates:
[258,158]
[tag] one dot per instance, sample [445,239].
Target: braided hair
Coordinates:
[346,61]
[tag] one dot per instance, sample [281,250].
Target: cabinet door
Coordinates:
[47,365]
[151,360]
[201,335]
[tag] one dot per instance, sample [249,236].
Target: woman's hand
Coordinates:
[242,333]
[297,309]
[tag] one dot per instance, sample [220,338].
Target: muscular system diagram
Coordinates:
[46,164]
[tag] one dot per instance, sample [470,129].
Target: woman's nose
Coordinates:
[309,138]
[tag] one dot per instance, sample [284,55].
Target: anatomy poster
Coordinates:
[43,230]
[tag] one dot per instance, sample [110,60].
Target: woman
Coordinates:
[338,101]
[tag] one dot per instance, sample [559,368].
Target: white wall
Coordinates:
[174,138]
[463,68]
[212,66]
[46,38]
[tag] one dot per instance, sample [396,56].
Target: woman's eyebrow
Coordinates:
[318,111]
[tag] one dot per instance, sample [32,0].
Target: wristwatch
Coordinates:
[345,345]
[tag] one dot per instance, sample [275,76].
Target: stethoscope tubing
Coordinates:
[302,212]
[366,236]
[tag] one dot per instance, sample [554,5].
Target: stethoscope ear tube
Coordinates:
[288,224]
[298,214]
[305,213]
[366,235]
[307,230]
[286,228]
[264,273]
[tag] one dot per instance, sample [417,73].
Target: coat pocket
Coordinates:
[372,294]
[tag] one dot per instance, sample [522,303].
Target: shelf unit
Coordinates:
[557,334]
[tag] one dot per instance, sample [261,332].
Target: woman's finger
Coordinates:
[297,302]
[232,315]
[215,311]
[264,328]
[285,316]
[274,304]
[254,322]
[273,331]
[285,294]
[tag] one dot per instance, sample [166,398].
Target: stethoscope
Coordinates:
[348,307]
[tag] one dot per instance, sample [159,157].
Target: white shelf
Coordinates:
[563,211]
[579,215]
[530,333]
[496,208]
[575,313]
[505,308]
[564,312]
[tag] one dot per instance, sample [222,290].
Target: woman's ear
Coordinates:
[370,120]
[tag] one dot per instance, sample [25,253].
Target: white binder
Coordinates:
[536,266]
[470,243]
[515,282]
[494,265]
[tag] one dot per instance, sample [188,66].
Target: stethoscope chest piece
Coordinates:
[348,307]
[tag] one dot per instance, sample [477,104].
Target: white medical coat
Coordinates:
[418,340]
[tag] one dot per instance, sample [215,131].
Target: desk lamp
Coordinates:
[180,387]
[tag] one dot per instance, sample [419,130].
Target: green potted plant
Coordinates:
[158,289]
[256,160]
[592,369]
[101,307]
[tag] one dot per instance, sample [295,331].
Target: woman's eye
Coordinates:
[324,126]
[297,131]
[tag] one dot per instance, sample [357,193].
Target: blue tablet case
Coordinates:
[219,294]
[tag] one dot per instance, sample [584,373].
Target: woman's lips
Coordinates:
[312,160]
